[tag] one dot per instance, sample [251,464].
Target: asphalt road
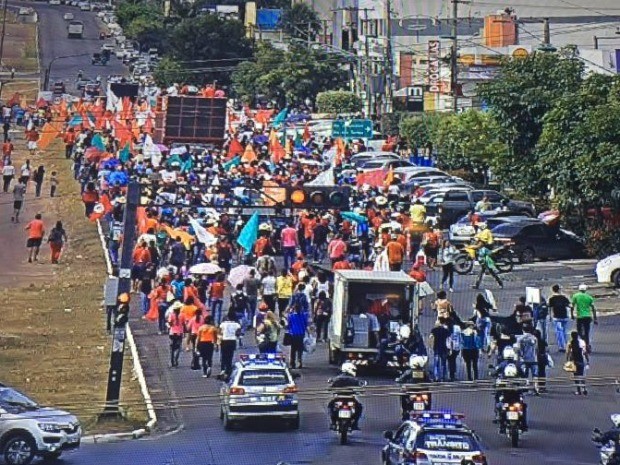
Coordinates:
[560,423]
[53,43]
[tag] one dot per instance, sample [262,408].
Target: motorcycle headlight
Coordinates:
[50,427]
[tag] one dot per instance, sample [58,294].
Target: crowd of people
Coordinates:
[193,213]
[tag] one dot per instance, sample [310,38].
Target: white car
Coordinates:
[608,270]
[54,2]
[84,6]
[68,17]
[25,11]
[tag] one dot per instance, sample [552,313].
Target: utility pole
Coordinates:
[367,65]
[546,33]
[6,4]
[389,58]
[454,65]
[119,330]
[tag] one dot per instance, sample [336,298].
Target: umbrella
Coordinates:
[352,216]
[260,139]
[162,148]
[92,154]
[238,274]
[110,163]
[118,177]
[178,151]
[205,268]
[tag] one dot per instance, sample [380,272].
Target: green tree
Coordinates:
[169,71]
[338,101]
[287,76]
[421,131]
[148,31]
[468,140]
[301,22]
[129,11]
[209,47]
[520,97]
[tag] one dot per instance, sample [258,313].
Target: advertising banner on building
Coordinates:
[433,76]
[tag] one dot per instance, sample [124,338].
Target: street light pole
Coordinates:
[48,70]
[453,56]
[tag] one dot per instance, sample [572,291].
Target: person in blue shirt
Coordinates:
[297,323]
[300,300]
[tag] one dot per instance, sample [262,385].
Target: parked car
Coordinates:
[408,172]
[83,83]
[463,231]
[383,164]
[84,6]
[531,241]
[28,430]
[68,17]
[25,11]
[608,270]
[359,159]
[54,2]
[458,203]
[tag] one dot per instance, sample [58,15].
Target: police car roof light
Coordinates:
[440,417]
[261,358]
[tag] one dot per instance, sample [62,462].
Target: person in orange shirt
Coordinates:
[69,140]
[395,253]
[207,338]
[7,148]
[141,258]
[36,231]
[342,264]
[216,297]
[190,290]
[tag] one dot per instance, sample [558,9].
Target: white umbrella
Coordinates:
[205,268]
[238,274]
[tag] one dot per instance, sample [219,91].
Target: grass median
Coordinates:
[53,344]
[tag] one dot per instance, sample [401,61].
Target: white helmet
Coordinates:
[510,371]
[482,225]
[509,353]
[404,332]
[417,361]
[615,419]
[349,368]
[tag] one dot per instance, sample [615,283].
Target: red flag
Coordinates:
[98,212]
[235,148]
[306,136]
[373,178]
[277,151]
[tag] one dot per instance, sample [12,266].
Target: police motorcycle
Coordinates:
[510,406]
[415,398]
[608,442]
[345,409]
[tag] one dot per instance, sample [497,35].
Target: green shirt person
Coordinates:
[583,305]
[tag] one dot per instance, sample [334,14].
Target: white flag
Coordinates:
[202,234]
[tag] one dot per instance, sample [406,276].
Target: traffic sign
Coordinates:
[352,129]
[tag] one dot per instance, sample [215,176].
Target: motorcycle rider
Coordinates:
[613,435]
[484,237]
[343,386]
[509,369]
[416,374]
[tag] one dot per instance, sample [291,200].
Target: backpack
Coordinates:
[529,346]
[55,236]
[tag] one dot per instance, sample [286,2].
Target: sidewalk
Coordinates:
[16,271]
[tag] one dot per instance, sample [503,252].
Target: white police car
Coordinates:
[432,438]
[260,386]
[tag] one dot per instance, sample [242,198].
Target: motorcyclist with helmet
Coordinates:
[484,236]
[509,369]
[416,374]
[612,435]
[344,385]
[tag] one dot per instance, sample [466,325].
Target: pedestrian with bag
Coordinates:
[470,350]
[454,348]
[56,239]
[560,305]
[543,363]
[577,361]
[269,332]
[322,312]
[207,339]
[297,327]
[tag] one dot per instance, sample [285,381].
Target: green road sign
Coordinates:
[352,129]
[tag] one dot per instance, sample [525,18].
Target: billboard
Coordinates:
[433,76]
[195,119]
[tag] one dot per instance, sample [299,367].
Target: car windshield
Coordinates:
[507,230]
[13,398]
[263,378]
[374,164]
[452,441]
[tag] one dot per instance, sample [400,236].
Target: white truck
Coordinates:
[75,30]
[360,296]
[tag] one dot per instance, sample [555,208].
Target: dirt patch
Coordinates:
[53,344]
[28,88]
[20,45]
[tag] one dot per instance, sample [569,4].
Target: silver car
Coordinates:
[260,386]
[28,430]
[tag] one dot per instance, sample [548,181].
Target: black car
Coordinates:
[530,241]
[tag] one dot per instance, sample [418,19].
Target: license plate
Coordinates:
[344,414]
[513,415]
[418,406]
[267,398]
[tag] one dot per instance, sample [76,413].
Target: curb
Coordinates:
[137,368]
[114,437]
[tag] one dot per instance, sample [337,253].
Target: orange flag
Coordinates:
[249,155]
[389,178]
[48,134]
[277,151]
[235,148]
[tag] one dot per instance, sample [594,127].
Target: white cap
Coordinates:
[583,287]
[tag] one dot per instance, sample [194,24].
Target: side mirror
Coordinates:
[389,435]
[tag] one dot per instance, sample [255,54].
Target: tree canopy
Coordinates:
[301,22]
